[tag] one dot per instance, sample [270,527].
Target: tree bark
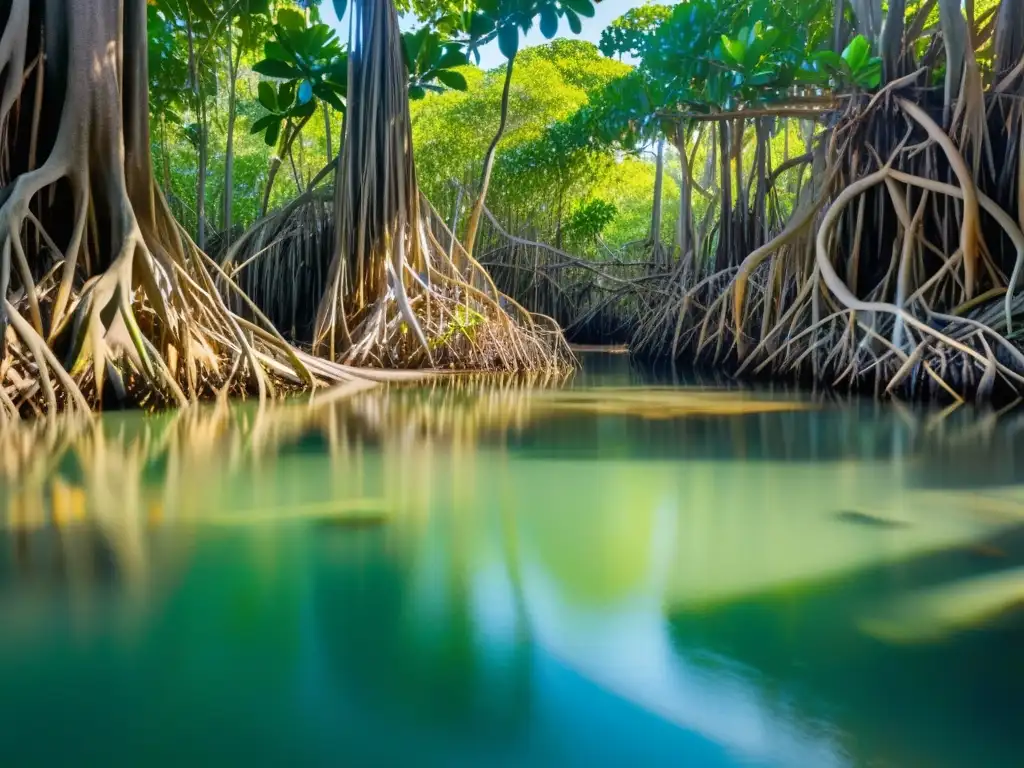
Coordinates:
[725,223]
[229,150]
[148,319]
[201,183]
[327,131]
[275,164]
[659,178]
[684,223]
[485,180]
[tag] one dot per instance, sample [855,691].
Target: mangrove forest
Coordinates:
[206,198]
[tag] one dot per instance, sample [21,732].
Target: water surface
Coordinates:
[618,571]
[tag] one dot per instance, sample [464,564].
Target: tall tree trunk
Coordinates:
[201,181]
[761,182]
[391,286]
[455,221]
[291,132]
[193,65]
[229,150]
[97,167]
[485,180]
[725,221]
[684,223]
[327,131]
[166,161]
[558,225]
[659,179]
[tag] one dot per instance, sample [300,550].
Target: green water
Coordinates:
[644,576]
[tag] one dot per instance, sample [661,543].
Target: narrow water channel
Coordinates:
[615,570]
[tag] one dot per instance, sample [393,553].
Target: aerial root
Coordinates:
[816,302]
[152,326]
[430,314]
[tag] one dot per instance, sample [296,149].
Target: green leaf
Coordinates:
[339,71]
[267,95]
[273,132]
[581,7]
[760,78]
[829,59]
[870,75]
[508,41]
[453,57]
[274,50]
[452,79]
[736,50]
[548,21]
[417,92]
[305,91]
[260,125]
[304,109]
[481,25]
[490,7]
[275,68]
[291,19]
[413,46]
[857,52]
[328,94]
[340,6]
[574,21]
[285,95]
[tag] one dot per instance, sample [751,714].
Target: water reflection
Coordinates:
[514,573]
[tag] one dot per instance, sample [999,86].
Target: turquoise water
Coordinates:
[619,571]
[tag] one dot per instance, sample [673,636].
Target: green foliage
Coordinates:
[432,61]
[589,220]
[310,66]
[543,171]
[508,20]
[628,33]
[855,66]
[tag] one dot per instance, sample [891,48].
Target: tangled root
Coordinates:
[444,317]
[105,298]
[887,276]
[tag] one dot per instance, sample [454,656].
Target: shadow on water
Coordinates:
[591,572]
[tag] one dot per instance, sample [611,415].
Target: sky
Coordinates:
[490,57]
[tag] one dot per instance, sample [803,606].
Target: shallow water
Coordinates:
[617,571]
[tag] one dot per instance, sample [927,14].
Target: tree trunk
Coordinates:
[684,223]
[391,285]
[137,324]
[166,161]
[558,225]
[725,221]
[485,180]
[284,150]
[455,222]
[201,181]
[327,131]
[659,177]
[229,150]
[197,96]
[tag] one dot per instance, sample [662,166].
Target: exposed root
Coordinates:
[465,321]
[817,301]
[106,298]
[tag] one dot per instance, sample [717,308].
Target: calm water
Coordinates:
[616,572]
